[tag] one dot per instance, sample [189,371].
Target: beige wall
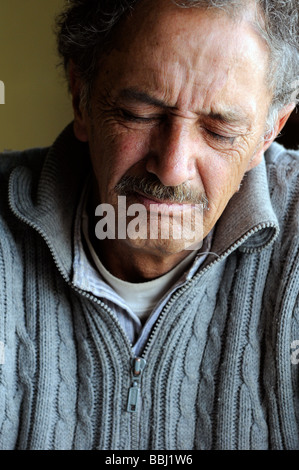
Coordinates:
[37,105]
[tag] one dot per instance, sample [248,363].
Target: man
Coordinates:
[116,339]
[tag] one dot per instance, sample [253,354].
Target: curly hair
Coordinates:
[85,26]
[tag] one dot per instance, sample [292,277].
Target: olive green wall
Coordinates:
[37,105]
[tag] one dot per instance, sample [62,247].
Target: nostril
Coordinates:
[152,163]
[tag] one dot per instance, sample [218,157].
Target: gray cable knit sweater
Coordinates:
[218,371]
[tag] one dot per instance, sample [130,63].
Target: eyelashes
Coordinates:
[221,138]
[128,116]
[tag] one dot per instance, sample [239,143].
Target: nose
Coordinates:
[172,157]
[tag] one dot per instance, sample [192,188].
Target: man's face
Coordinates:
[182,97]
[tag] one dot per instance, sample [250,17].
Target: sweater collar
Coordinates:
[48,203]
[249,222]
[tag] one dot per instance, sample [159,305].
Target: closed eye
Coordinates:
[131,117]
[220,137]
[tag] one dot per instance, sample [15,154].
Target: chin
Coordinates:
[162,247]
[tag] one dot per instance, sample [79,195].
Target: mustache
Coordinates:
[151,186]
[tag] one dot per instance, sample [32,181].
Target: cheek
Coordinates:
[117,154]
[128,152]
[221,178]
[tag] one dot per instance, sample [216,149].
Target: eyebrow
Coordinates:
[229,116]
[136,96]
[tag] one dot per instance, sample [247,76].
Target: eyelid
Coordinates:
[135,117]
[221,137]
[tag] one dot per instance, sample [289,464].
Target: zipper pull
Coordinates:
[138,366]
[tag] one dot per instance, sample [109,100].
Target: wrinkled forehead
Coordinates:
[189,54]
[148,15]
[163,24]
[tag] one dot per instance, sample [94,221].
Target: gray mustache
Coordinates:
[151,186]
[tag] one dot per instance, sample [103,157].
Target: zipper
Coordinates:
[138,363]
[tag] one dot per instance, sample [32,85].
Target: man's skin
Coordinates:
[182,94]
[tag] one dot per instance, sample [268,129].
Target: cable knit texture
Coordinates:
[218,371]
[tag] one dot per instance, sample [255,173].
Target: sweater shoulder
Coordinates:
[33,160]
[283,179]
[282,163]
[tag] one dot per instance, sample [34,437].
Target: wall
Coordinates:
[37,105]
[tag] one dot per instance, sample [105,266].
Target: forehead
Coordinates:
[188,57]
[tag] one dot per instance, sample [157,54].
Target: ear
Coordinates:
[283,116]
[80,115]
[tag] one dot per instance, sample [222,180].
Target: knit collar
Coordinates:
[48,202]
[249,222]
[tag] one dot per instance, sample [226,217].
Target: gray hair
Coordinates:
[85,28]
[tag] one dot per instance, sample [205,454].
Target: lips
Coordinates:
[155,200]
